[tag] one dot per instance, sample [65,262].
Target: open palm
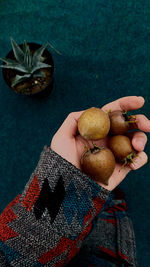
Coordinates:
[71,146]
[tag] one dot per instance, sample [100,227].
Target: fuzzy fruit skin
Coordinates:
[121,147]
[99,165]
[118,124]
[94,124]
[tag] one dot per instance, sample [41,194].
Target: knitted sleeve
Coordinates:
[47,223]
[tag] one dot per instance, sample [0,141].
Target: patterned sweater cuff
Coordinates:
[48,222]
[70,197]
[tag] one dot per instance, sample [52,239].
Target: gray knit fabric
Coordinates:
[35,236]
[3,262]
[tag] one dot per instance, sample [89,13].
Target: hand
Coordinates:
[71,146]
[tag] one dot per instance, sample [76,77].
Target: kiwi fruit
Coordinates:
[98,163]
[94,124]
[122,149]
[120,122]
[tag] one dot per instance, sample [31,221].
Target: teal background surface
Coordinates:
[105,55]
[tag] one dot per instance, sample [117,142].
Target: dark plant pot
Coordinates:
[33,86]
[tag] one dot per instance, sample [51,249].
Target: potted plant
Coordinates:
[28,68]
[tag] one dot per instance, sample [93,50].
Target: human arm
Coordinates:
[106,245]
[48,222]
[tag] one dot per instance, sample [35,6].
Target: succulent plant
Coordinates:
[25,62]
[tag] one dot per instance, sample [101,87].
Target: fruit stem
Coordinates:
[131,156]
[128,119]
[124,114]
[132,121]
[87,148]
[123,165]
[128,160]
[108,111]
[96,146]
[132,116]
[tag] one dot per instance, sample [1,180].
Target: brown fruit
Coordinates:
[120,122]
[98,163]
[94,124]
[122,149]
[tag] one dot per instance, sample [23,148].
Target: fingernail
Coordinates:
[141,143]
[142,98]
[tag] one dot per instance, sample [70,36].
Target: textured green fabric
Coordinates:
[105,54]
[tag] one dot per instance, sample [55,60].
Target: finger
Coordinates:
[125,103]
[139,140]
[139,161]
[143,123]
[70,125]
[117,176]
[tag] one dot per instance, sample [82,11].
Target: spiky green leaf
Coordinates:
[54,48]
[38,54]
[24,46]
[12,64]
[28,59]
[39,73]
[19,78]
[25,62]
[40,65]
[19,55]
[42,59]
[8,60]
[15,66]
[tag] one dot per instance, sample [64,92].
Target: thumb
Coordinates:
[70,125]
